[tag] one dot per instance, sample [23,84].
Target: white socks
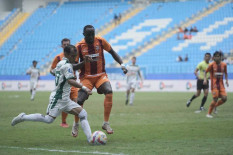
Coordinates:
[38,118]
[131,98]
[85,124]
[33,94]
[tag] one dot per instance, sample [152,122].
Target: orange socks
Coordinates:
[212,105]
[107,106]
[63,117]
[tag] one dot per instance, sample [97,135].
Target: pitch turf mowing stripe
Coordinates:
[54,150]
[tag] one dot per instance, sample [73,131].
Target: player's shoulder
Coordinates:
[223,64]
[134,66]
[80,43]
[212,63]
[100,38]
[201,63]
[62,62]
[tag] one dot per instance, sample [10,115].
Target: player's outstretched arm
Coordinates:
[118,59]
[78,65]
[72,82]
[81,64]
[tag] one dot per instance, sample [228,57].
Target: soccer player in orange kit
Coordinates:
[93,74]
[217,69]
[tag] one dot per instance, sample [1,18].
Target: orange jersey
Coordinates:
[57,59]
[216,74]
[96,51]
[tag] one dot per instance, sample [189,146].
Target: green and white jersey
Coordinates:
[133,73]
[34,73]
[202,66]
[63,72]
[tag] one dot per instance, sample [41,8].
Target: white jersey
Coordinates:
[63,72]
[133,73]
[34,73]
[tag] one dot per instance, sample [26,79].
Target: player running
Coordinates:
[217,69]
[73,93]
[60,97]
[201,68]
[34,77]
[132,76]
[93,74]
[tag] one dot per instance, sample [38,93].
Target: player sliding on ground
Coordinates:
[217,69]
[60,97]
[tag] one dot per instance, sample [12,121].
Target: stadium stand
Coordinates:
[4,20]
[218,26]
[39,37]
[19,50]
[149,23]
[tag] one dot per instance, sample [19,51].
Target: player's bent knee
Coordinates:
[49,119]
[224,99]
[82,96]
[106,88]
[108,91]
[83,114]
[80,102]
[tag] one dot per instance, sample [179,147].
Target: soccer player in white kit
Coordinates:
[34,76]
[60,97]
[132,77]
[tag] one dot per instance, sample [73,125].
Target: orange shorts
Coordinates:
[73,93]
[91,82]
[218,93]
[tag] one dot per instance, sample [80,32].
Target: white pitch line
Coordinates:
[53,150]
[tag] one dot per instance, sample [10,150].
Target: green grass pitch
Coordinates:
[158,123]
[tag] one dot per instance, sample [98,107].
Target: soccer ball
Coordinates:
[99,138]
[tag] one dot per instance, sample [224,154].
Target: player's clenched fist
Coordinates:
[87,90]
[124,68]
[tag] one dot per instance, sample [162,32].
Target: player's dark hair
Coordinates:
[87,26]
[134,57]
[68,49]
[65,39]
[207,54]
[217,53]
[34,61]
